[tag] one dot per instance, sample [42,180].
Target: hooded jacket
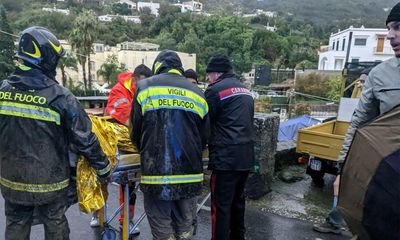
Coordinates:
[170,126]
[380,94]
[40,121]
[231,117]
[120,98]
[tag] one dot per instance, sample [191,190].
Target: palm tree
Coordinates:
[6,46]
[110,69]
[82,38]
[70,62]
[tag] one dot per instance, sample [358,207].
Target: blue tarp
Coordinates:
[288,129]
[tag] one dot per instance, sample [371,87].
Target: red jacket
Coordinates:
[120,98]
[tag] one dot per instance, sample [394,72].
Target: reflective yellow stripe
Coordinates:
[37,54]
[172,179]
[29,111]
[157,67]
[35,188]
[154,98]
[104,170]
[24,68]
[57,48]
[175,71]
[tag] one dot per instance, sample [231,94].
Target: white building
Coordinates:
[109,18]
[62,11]
[131,5]
[355,45]
[271,28]
[261,12]
[129,53]
[190,6]
[93,2]
[154,7]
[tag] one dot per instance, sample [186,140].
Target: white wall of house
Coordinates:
[367,45]
[154,7]
[131,58]
[131,5]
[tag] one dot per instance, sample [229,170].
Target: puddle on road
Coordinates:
[300,200]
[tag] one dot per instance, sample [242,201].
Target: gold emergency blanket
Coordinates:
[91,195]
[123,138]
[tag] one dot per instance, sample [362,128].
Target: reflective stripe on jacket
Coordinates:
[231,117]
[170,127]
[39,122]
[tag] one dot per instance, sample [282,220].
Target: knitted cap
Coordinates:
[394,15]
[219,63]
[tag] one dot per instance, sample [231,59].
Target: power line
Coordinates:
[78,54]
[10,34]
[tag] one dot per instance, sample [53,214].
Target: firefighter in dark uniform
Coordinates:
[170,127]
[40,121]
[231,107]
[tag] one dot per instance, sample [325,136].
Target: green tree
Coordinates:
[57,23]
[121,9]
[146,17]
[65,62]
[82,38]
[6,46]
[306,64]
[313,83]
[334,85]
[110,69]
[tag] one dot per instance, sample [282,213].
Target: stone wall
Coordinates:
[265,142]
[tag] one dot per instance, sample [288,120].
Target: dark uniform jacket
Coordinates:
[39,122]
[231,108]
[170,127]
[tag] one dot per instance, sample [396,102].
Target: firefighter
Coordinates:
[170,127]
[39,122]
[231,107]
[119,108]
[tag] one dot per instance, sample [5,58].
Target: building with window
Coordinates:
[355,45]
[154,7]
[54,9]
[129,4]
[131,54]
[190,6]
[128,18]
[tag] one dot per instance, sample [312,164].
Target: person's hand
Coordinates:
[336,185]
[104,180]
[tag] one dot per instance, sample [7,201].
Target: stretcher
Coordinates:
[127,172]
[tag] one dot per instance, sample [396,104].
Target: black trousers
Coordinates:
[19,220]
[228,204]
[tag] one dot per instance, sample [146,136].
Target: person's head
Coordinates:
[191,75]
[217,66]
[141,72]
[167,61]
[393,25]
[39,48]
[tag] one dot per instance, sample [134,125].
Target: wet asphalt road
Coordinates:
[260,225]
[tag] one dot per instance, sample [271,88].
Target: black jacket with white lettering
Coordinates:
[170,126]
[231,107]
[39,122]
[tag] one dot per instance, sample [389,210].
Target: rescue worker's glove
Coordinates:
[105,177]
